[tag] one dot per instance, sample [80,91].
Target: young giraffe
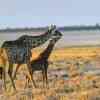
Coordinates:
[19,51]
[41,63]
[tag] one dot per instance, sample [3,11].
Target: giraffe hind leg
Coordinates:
[4,75]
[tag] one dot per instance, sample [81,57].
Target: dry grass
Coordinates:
[65,53]
[76,87]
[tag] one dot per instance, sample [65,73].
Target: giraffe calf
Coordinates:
[41,63]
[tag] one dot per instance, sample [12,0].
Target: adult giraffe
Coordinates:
[19,51]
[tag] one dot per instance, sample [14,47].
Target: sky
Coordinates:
[35,13]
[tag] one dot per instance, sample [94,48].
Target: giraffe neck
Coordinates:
[35,41]
[46,53]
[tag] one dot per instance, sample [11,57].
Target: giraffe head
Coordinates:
[54,32]
[55,37]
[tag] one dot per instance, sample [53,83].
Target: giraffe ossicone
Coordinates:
[52,27]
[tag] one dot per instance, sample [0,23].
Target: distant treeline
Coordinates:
[80,28]
[65,28]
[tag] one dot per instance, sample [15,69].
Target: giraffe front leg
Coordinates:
[10,70]
[16,70]
[43,75]
[46,77]
[27,81]
[31,74]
